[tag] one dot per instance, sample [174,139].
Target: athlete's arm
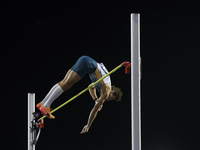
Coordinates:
[94,112]
[92,92]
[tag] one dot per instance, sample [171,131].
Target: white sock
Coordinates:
[48,95]
[54,93]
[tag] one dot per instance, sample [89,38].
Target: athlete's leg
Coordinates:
[70,79]
[49,94]
[44,106]
[56,92]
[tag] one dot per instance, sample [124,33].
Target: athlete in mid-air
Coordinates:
[84,65]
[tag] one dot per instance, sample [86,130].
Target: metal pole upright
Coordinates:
[31,109]
[135,82]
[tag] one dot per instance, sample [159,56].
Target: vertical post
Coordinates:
[31,109]
[135,82]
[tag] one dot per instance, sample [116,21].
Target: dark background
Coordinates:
[42,40]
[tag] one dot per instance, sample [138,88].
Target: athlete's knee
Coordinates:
[65,85]
[61,85]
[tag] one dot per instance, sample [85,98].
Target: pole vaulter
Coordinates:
[127,70]
[101,82]
[35,125]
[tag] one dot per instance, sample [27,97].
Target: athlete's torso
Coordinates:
[100,72]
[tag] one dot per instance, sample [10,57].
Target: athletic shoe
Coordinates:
[38,105]
[47,112]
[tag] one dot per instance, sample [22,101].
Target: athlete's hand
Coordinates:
[85,129]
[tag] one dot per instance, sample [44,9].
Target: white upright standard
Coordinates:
[31,109]
[135,81]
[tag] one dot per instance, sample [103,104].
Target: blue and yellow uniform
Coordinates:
[86,65]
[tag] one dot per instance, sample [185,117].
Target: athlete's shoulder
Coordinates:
[107,86]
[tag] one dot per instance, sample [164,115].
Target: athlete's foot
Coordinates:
[38,105]
[45,111]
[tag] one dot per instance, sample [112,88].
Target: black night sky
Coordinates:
[41,40]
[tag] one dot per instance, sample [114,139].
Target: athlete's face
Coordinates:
[111,96]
